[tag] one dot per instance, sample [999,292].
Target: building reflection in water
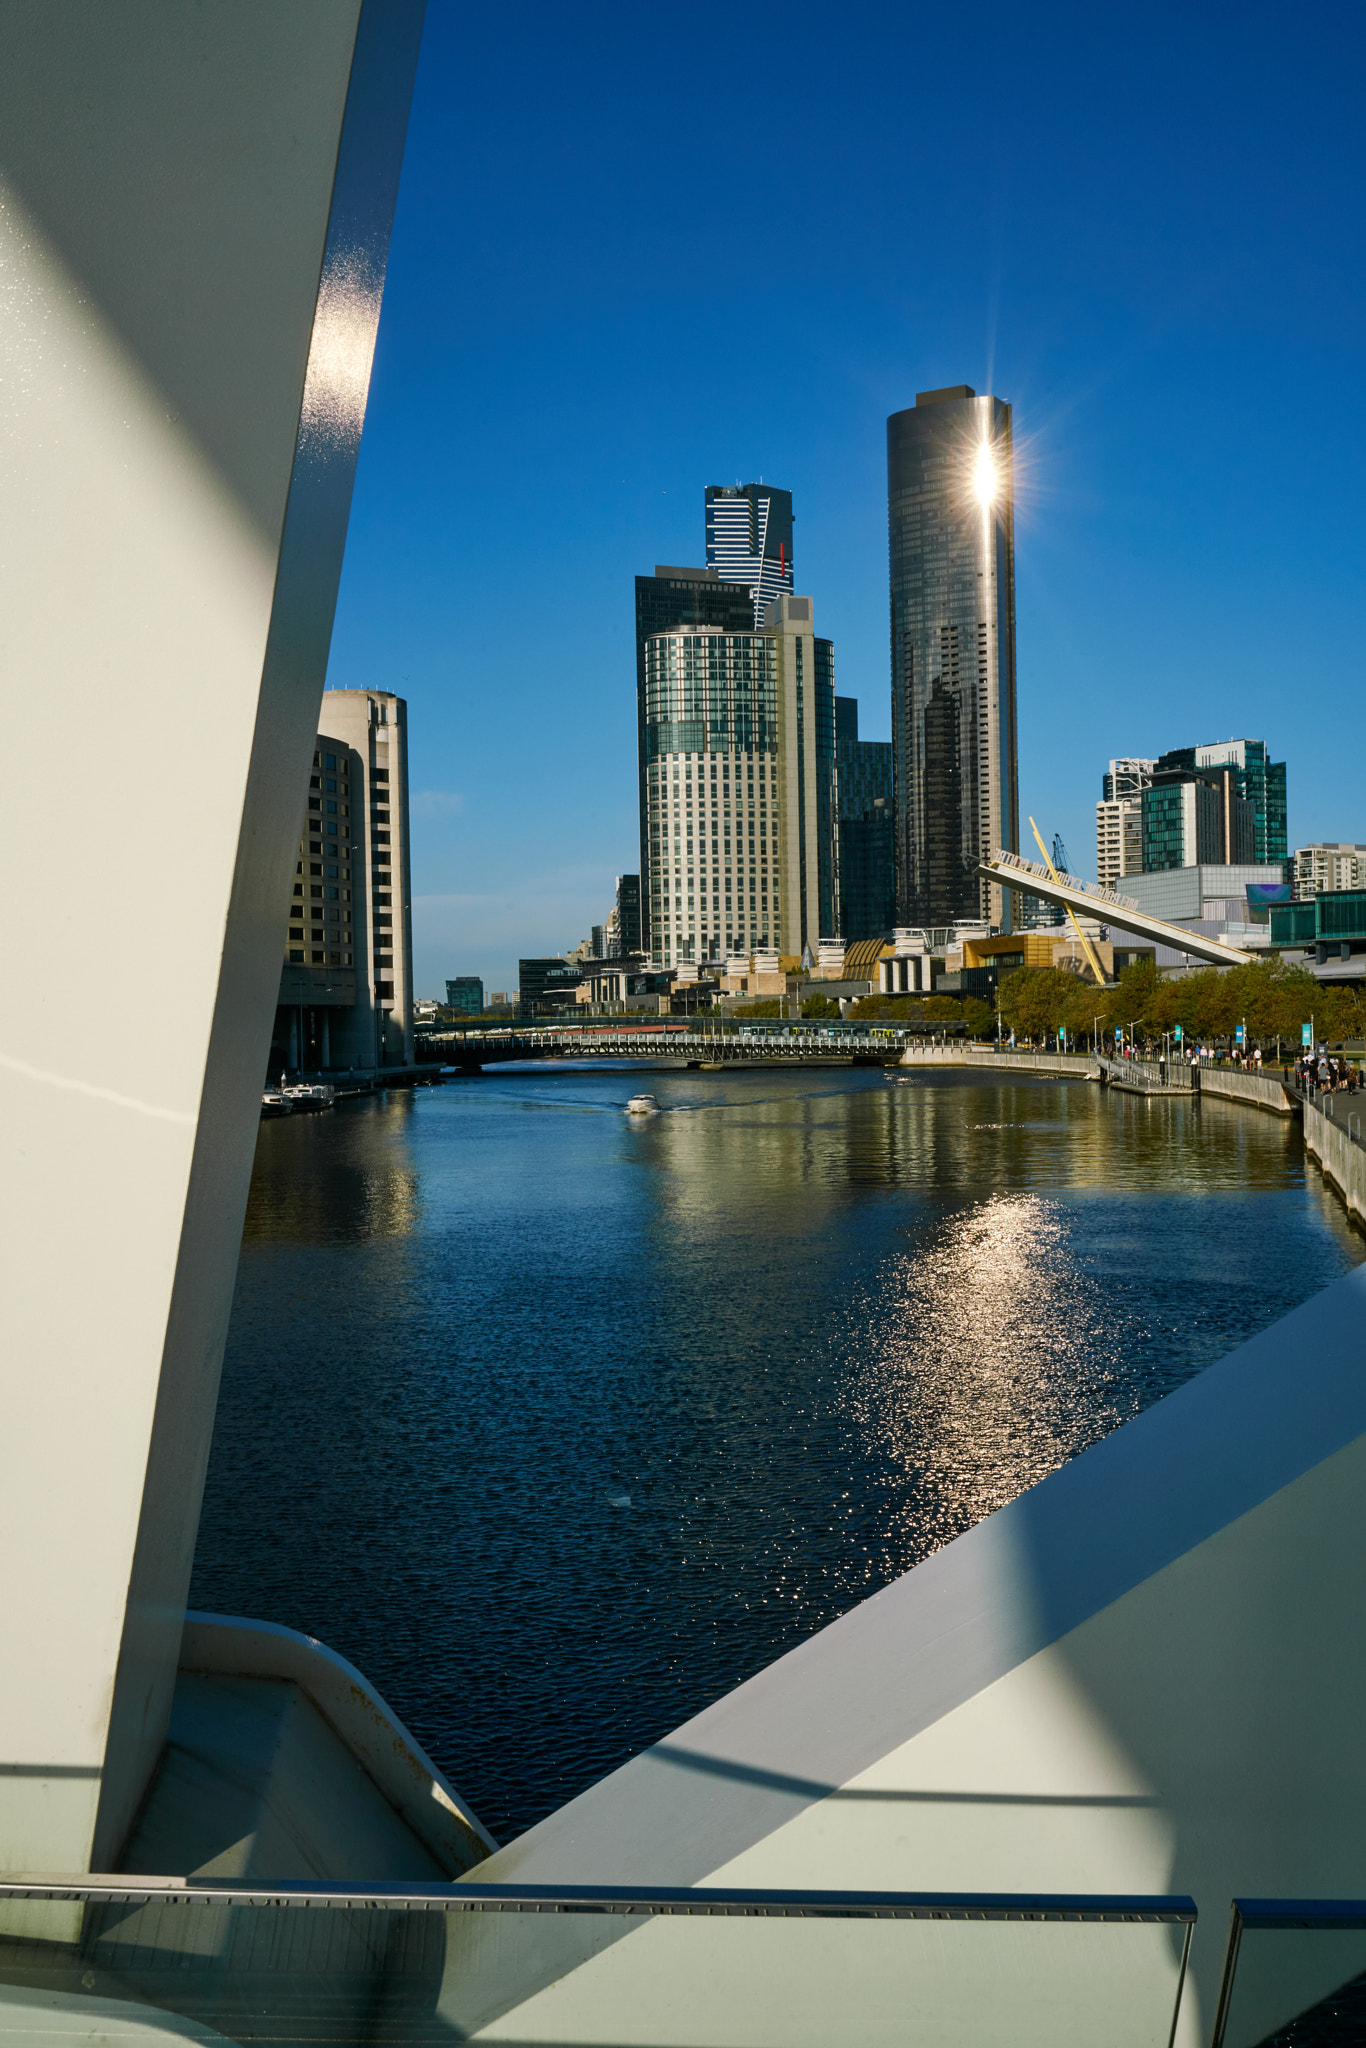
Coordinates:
[559,1426]
[336,1177]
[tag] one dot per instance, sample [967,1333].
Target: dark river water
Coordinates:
[560,1425]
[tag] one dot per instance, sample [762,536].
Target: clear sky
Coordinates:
[639,250]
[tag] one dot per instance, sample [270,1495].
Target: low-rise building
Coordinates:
[547,984]
[465,993]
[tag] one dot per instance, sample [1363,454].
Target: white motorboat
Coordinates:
[275,1103]
[310,1095]
[642,1105]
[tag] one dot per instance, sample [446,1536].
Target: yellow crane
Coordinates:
[1087,948]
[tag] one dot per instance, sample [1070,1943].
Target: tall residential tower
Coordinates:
[950,513]
[739,736]
[749,540]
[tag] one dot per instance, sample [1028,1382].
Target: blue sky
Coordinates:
[641,250]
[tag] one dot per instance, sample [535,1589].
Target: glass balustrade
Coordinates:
[1294,1975]
[153,1961]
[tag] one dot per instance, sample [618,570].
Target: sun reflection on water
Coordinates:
[991,1361]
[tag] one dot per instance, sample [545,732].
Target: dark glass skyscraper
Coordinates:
[951,543]
[749,540]
[867,852]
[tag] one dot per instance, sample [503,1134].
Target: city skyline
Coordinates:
[537,431]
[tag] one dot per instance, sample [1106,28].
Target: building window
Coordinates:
[296,958]
[296,931]
[318,960]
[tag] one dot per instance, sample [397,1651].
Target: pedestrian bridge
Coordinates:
[697,1041]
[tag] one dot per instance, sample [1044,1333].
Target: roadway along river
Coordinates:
[560,1425]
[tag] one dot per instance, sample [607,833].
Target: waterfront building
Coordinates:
[950,516]
[867,853]
[1326,866]
[346,986]
[465,992]
[549,983]
[749,540]
[675,597]
[740,769]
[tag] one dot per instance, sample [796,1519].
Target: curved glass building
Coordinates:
[951,540]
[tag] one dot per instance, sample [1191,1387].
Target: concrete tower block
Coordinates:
[195,206]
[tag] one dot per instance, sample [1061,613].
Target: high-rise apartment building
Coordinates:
[668,599]
[749,540]
[346,991]
[739,738]
[1262,784]
[867,852]
[1119,838]
[1126,778]
[1328,866]
[1183,823]
[950,515]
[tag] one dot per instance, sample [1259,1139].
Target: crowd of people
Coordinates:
[1326,1074]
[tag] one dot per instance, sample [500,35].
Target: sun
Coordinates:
[985,480]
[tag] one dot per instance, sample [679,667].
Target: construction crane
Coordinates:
[1059,860]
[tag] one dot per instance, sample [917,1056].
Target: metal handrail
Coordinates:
[1267,1915]
[695,1900]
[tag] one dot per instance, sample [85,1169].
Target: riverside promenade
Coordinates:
[1333,1132]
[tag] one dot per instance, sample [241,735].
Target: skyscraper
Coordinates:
[740,773]
[346,989]
[749,540]
[951,544]
[671,598]
[866,843]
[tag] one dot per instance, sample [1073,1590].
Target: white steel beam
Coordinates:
[195,205]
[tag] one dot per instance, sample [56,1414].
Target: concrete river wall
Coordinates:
[1335,1142]
[1263,1091]
[987,1056]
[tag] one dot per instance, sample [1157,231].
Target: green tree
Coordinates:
[979,1017]
[820,1006]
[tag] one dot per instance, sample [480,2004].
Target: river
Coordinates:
[559,1425]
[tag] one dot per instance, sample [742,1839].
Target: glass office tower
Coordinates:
[951,542]
[749,540]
